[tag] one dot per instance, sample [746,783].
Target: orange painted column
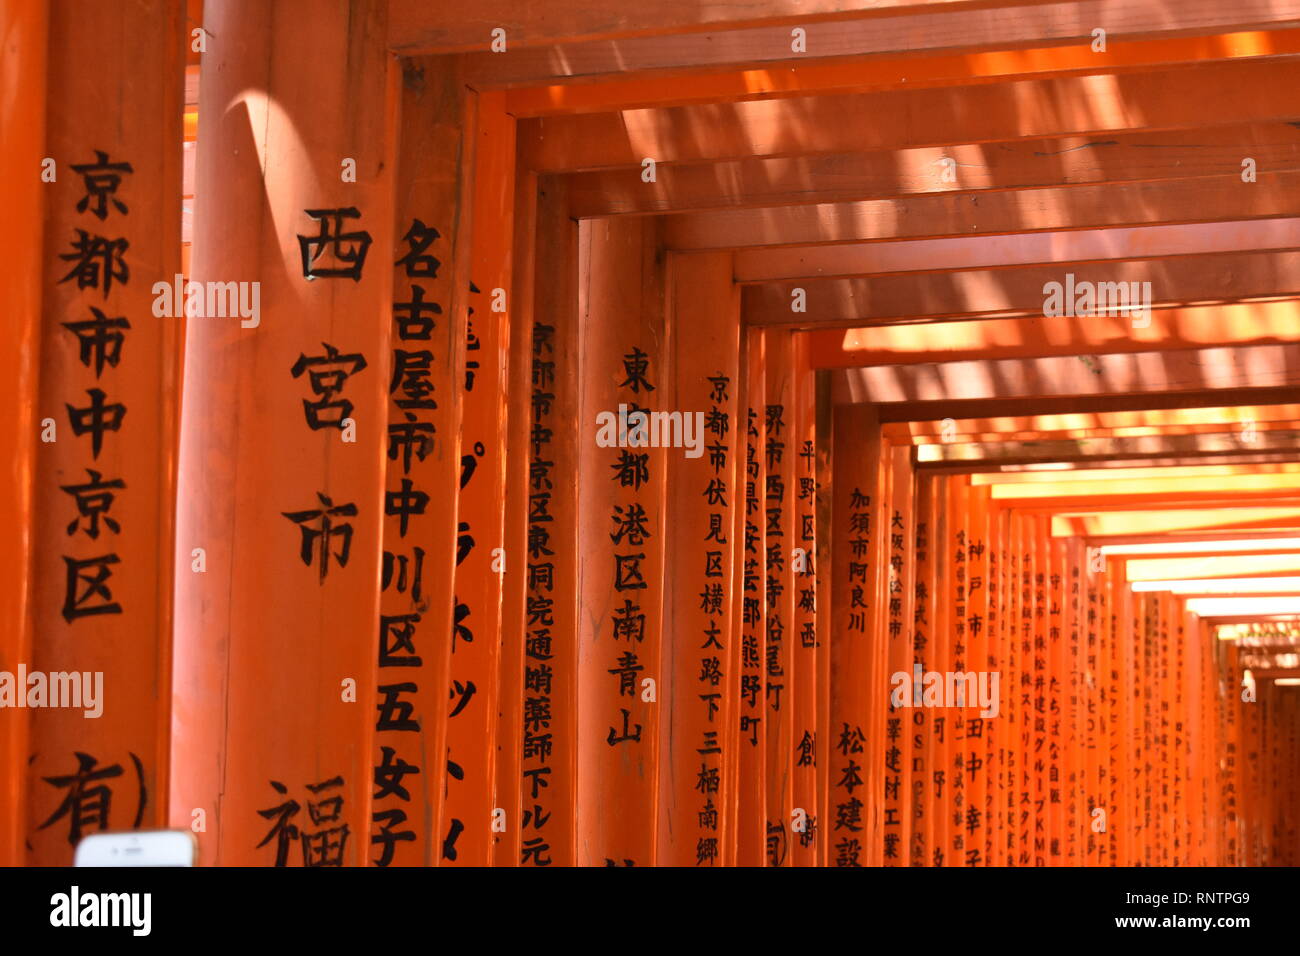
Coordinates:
[809,686]
[751,793]
[1247,776]
[898,506]
[779,524]
[824,441]
[879,687]
[1027,692]
[701,653]
[527,358]
[1092,705]
[900,598]
[1001,655]
[1172,788]
[1128,663]
[976,726]
[481,551]
[1057,757]
[944,720]
[1285,837]
[1040,692]
[1193,732]
[624,457]
[919,736]
[995,790]
[102,528]
[275,710]
[1229,697]
[1145,624]
[856,560]
[1239,711]
[1113,701]
[549,753]
[415,769]
[938,658]
[24,35]
[1012,734]
[1072,668]
[959,536]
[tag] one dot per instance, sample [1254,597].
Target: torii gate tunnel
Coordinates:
[774,433]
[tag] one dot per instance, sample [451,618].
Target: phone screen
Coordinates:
[137,848]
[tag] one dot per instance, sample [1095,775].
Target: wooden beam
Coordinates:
[1020,290]
[1254,483]
[1027,109]
[1139,156]
[1085,423]
[1205,199]
[1210,567]
[1254,374]
[770,45]
[1086,464]
[792,263]
[418,27]
[912,70]
[1101,528]
[1070,449]
[1115,476]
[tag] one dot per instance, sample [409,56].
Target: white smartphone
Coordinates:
[137,848]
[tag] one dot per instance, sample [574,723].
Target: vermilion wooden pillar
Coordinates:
[527,357]
[1027,806]
[920,743]
[939,784]
[1194,730]
[482,554]
[549,752]
[1072,710]
[701,656]
[1169,743]
[855,808]
[1092,707]
[23,33]
[1011,732]
[809,685]
[1249,795]
[1233,800]
[104,487]
[956,779]
[623,473]
[278,655]
[900,576]
[999,660]
[777,512]
[422,536]
[1128,662]
[1057,754]
[879,686]
[751,788]
[995,792]
[975,726]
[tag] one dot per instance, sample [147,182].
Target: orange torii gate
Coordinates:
[529,524]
